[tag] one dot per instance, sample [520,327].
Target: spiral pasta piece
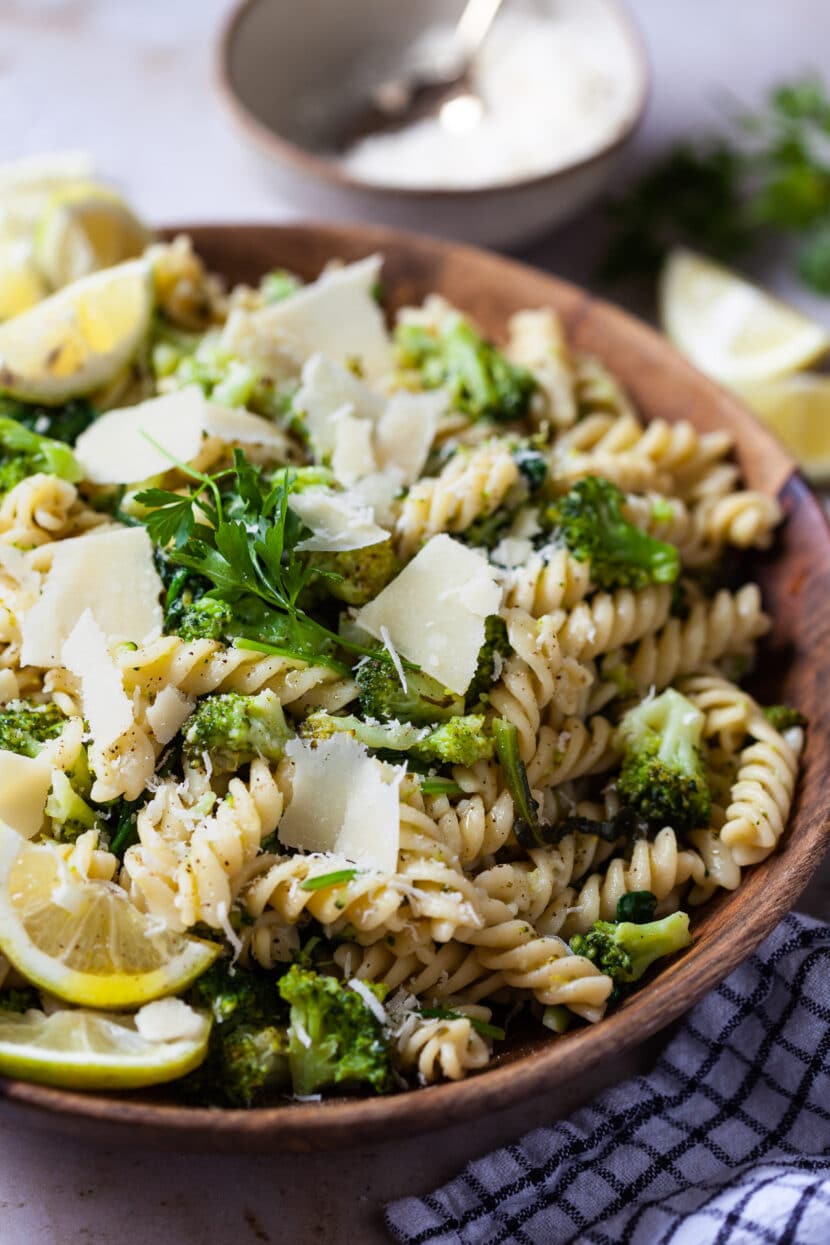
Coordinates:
[471,486]
[762,795]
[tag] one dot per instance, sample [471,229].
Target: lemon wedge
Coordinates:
[79,339]
[88,1050]
[732,330]
[86,227]
[21,284]
[82,939]
[797,409]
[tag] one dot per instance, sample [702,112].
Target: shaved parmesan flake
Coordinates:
[336,522]
[371,1000]
[343,801]
[395,657]
[434,611]
[168,1020]
[170,709]
[327,392]
[116,449]
[107,708]
[110,573]
[512,551]
[24,786]
[407,429]
[336,315]
[352,457]
[379,491]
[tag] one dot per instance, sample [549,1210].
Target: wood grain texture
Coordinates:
[795,667]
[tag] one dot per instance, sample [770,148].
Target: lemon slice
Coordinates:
[87,1050]
[729,328]
[86,227]
[77,340]
[21,285]
[83,940]
[797,409]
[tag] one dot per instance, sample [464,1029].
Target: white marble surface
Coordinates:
[130,80]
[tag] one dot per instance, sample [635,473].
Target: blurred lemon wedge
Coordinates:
[83,228]
[82,939]
[21,283]
[797,409]
[77,340]
[85,1050]
[732,330]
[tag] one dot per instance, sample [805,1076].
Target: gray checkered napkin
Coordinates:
[726,1142]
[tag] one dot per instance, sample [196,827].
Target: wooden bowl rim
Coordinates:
[305,161]
[339,1122]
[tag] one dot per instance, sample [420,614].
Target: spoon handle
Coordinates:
[474,25]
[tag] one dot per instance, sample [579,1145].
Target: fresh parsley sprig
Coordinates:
[237,530]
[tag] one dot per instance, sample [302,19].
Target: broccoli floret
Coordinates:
[70,814]
[491,657]
[334,1037]
[23,453]
[362,573]
[663,776]
[526,825]
[624,951]
[205,619]
[19,999]
[783,717]
[26,727]
[248,1053]
[205,361]
[423,701]
[591,522]
[482,382]
[234,728]
[636,906]
[533,467]
[461,741]
[60,423]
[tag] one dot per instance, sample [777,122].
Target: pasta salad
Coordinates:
[359,689]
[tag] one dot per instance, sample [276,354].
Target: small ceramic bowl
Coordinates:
[274,54]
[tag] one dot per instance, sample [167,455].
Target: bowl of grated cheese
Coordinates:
[557,91]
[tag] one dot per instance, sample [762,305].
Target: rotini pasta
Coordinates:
[398,746]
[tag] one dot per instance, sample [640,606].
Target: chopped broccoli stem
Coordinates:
[491,656]
[233,728]
[526,824]
[624,950]
[663,776]
[482,382]
[334,1037]
[23,453]
[422,702]
[463,740]
[278,285]
[638,907]
[783,717]
[25,727]
[69,813]
[590,521]
[558,1018]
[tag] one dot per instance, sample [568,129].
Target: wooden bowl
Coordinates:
[796,583]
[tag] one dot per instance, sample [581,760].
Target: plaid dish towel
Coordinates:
[726,1142]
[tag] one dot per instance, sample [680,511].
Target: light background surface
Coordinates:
[131,81]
